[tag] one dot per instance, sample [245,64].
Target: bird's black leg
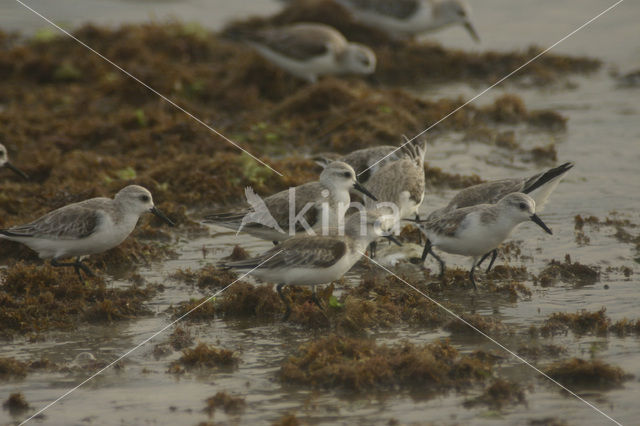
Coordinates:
[484,256]
[287,311]
[428,250]
[315,299]
[471,277]
[77,265]
[494,254]
[84,267]
[373,247]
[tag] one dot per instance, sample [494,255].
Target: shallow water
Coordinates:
[602,139]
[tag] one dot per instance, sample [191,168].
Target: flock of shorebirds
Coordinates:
[316,238]
[317,235]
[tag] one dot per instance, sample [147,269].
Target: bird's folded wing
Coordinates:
[307,252]
[67,223]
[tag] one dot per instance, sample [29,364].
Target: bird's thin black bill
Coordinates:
[364,190]
[17,171]
[393,240]
[162,216]
[472,31]
[540,223]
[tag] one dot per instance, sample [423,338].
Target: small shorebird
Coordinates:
[411,17]
[400,184]
[538,187]
[312,260]
[276,220]
[4,162]
[84,228]
[365,161]
[309,50]
[477,230]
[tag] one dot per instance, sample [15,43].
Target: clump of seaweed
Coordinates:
[180,338]
[288,419]
[243,300]
[16,404]
[568,272]
[238,253]
[197,309]
[205,356]
[581,322]
[229,403]
[587,374]
[207,277]
[500,394]
[361,365]
[436,177]
[12,368]
[584,322]
[625,326]
[35,298]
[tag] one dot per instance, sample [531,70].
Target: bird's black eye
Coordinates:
[145,198]
[347,174]
[523,206]
[461,12]
[1,154]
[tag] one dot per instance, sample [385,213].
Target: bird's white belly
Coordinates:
[474,240]
[408,207]
[106,237]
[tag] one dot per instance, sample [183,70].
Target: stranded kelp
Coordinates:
[222,400]
[568,272]
[592,374]
[204,357]
[588,322]
[37,298]
[362,366]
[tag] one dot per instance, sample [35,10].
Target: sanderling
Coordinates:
[84,228]
[4,162]
[312,260]
[412,17]
[400,184]
[538,187]
[331,191]
[309,50]
[477,230]
[365,161]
